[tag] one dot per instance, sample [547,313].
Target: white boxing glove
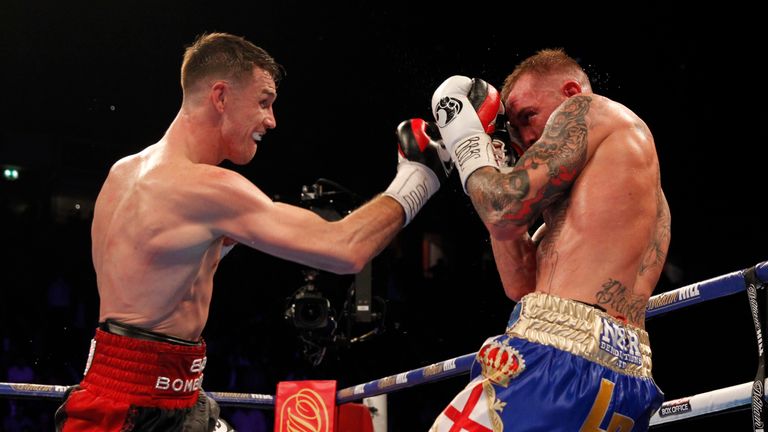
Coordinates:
[465,110]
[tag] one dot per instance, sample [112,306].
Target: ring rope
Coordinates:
[758,306]
[434,372]
[704,403]
[47,391]
[709,289]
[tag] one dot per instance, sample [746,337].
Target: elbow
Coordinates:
[354,267]
[521,281]
[350,264]
[504,230]
[504,226]
[513,294]
[356,255]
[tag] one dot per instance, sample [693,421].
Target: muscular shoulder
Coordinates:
[624,151]
[216,179]
[613,116]
[125,166]
[158,173]
[612,122]
[212,190]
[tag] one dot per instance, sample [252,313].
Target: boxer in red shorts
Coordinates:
[165,216]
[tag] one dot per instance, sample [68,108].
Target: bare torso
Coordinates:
[161,221]
[163,215]
[607,238]
[154,265]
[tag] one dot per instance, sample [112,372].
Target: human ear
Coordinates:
[571,88]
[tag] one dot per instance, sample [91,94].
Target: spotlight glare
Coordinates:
[11,174]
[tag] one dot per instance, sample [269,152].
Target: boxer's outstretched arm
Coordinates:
[232,206]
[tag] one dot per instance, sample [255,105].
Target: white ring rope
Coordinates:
[704,403]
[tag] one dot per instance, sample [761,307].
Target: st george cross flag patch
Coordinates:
[475,409]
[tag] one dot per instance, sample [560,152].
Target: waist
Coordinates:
[145,372]
[582,330]
[118,328]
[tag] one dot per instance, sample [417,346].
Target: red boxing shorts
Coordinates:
[561,366]
[135,384]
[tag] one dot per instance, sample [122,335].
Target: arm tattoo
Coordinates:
[619,298]
[562,149]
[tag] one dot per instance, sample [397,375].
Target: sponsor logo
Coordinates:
[620,342]
[305,411]
[347,392]
[184,384]
[757,404]
[242,396]
[27,388]
[387,382]
[179,385]
[672,297]
[674,407]
[433,369]
[752,294]
[449,364]
[467,150]
[446,110]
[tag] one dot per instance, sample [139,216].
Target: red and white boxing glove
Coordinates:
[507,145]
[465,110]
[423,165]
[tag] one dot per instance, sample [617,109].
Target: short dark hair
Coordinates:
[227,56]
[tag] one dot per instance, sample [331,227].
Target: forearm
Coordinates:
[498,200]
[300,235]
[369,229]
[516,264]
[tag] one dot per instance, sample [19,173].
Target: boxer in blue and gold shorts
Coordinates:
[560,366]
[575,355]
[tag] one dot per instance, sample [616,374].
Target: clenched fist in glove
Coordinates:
[465,110]
[423,166]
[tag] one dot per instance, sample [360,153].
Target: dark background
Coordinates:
[85,84]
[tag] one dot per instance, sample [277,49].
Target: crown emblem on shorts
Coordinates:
[500,362]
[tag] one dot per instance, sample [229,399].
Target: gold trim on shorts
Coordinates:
[584,331]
